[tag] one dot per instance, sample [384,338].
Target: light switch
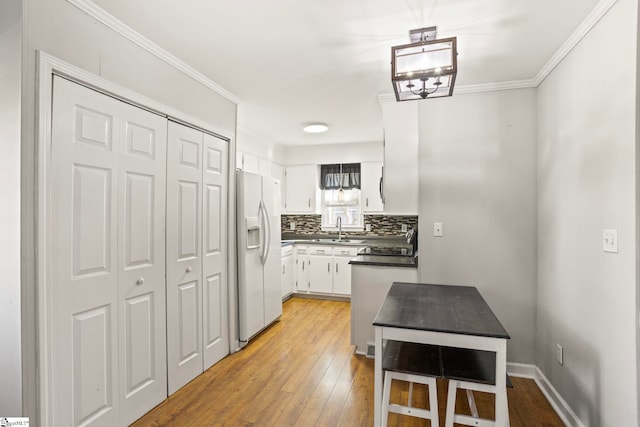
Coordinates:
[292,225]
[403,228]
[367,227]
[610,240]
[437,229]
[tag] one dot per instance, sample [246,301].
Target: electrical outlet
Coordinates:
[559,355]
[404,228]
[437,229]
[292,225]
[610,240]
[367,227]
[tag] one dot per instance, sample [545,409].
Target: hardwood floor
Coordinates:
[302,372]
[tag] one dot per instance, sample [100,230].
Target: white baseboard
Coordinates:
[566,414]
[521,370]
[561,407]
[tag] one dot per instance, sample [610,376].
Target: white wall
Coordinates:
[477,177]
[10,323]
[334,153]
[62,30]
[586,183]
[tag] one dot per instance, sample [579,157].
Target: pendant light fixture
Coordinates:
[425,68]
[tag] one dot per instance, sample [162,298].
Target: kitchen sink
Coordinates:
[337,241]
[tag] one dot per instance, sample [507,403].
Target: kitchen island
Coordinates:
[371,279]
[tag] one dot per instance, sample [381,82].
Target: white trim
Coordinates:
[583,29]
[521,370]
[47,66]
[561,407]
[104,17]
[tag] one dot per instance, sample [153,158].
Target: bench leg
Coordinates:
[433,402]
[386,394]
[451,403]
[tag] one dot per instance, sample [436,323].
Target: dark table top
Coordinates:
[439,308]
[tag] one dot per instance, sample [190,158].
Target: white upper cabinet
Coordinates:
[400,181]
[370,178]
[301,186]
[251,163]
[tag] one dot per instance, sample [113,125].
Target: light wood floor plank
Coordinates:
[302,372]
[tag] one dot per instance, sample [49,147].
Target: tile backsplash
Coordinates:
[381,225]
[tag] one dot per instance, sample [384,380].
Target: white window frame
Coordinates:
[326,226]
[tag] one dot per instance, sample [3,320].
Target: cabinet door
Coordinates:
[301,268]
[320,276]
[400,185]
[287,275]
[301,189]
[341,275]
[371,174]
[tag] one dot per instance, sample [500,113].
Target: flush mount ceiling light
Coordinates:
[316,128]
[424,68]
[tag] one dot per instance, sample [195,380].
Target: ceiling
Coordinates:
[292,62]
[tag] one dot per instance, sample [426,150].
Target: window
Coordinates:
[340,186]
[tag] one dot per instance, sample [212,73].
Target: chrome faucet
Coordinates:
[339,228]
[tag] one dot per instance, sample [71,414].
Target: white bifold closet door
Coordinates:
[197,325]
[107,260]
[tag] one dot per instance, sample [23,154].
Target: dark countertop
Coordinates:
[439,308]
[385,261]
[358,240]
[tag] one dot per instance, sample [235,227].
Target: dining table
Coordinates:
[444,315]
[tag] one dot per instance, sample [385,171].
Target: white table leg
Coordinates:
[377,387]
[501,385]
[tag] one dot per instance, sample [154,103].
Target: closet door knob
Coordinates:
[188,270]
[140,281]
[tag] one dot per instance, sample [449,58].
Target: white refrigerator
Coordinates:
[259,287]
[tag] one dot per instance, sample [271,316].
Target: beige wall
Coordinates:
[586,183]
[62,30]
[477,177]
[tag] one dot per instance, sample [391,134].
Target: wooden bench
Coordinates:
[471,370]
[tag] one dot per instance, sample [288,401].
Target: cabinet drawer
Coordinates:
[301,250]
[286,250]
[320,250]
[345,251]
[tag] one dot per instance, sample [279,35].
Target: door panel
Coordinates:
[215,257]
[92,368]
[188,316]
[92,228]
[139,334]
[141,262]
[188,220]
[83,291]
[184,262]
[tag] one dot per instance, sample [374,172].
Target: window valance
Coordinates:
[336,176]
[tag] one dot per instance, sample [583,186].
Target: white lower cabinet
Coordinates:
[324,269]
[320,261]
[341,275]
[287,271]
[301,267]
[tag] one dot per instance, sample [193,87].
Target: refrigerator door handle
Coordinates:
[267,231]
[263,233]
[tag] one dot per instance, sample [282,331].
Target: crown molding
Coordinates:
[481,87]
[583,29]
[102,16]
